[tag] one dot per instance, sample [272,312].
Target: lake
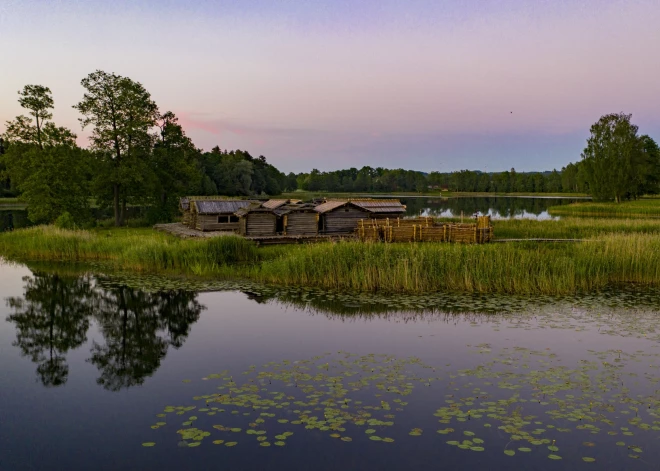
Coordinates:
[499,207]
[98,373]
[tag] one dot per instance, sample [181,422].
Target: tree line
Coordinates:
[137,156]
[140,156]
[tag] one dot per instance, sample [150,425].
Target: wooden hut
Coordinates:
[298,219]
[216,215]
[256,220]
[343,216]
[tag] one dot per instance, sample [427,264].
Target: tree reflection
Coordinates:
[51,319]
[138,328]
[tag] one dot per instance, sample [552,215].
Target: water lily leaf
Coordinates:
[509,452]
[525,449]
[148,444]
[588,459]
[554,457]
[477,448]
[218,442]
[231,444]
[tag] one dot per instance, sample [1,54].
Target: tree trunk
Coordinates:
[115,198]
[123,211]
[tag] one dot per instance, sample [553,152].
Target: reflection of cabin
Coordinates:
[256,220]
[298,219]
[216,215]
[342,216]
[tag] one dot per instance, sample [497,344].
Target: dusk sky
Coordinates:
[328,84]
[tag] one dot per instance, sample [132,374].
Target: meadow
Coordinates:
[644,207]
[615,251]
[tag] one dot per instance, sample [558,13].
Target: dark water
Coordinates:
[91,367]
[498,207]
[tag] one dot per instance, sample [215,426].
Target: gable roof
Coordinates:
[184,203]
[220,206]
[330,205]
[381,206]
[370,205]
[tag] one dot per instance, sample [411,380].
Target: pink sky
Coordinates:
[395,84]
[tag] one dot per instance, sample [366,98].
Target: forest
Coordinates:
[139,156]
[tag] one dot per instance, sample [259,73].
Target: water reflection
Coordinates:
[54,317]
[499,207]
[51,319]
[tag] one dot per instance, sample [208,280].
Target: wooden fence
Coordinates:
[425,230]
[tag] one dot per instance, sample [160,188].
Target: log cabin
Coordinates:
[216,215]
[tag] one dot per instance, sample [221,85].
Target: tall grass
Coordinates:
[523,268]
[141,250]
[645,207]
[573,228]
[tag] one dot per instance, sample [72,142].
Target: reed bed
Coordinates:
[645,207]
[522,268]
[573,228]
[142,249]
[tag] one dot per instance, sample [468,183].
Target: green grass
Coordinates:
[645,207]
[137,249]
[573,228]
[624,252]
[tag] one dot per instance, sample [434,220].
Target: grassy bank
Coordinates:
[524,268]
[137,249]
[573,228]
[645,207]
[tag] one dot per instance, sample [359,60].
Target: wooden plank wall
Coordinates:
[299,223]
[210,223]
[343,220]
[261,224]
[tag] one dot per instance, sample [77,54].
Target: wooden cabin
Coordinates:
[255,220]
[298,219]
[343,216]
[216,215]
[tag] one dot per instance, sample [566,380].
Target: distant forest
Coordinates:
[140,156]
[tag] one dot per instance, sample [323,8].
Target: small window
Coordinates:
[223,219]
[233,218]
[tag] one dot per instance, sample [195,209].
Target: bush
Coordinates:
[65,221]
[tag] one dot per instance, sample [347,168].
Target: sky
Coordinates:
[418,84]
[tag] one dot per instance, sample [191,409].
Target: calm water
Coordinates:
[92,369]
[498,207]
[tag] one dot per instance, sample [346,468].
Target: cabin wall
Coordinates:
[260,224]
[301,223]
[209,222]
[343,220]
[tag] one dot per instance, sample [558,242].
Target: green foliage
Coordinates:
[121,114]
[618,163]
[65,221]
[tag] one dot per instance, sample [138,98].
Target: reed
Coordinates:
[645,207]
[522,268]
[138,249]
[573,228]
